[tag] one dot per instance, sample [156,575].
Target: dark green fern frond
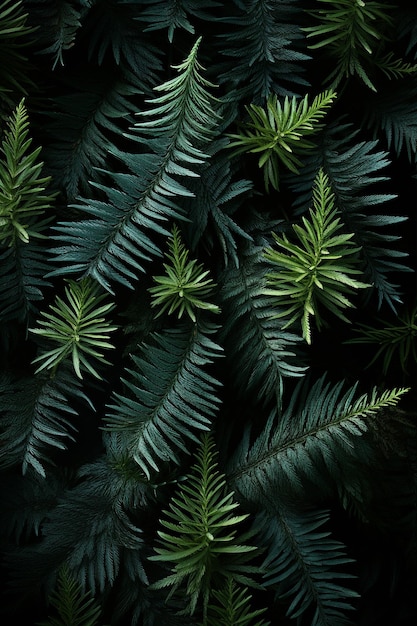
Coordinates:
[84,124]
[173,14]
[169,396]
[317,271]
[394,112]
[23,196]
[278,133]
[351,31]
[311,442]
[112,246]
[200,543]
[304,565]
[395,68]
[38,419]
[15,36]
[185,285]
[261,354]
[263,51]
[73,605]
[354,168]
[231,606]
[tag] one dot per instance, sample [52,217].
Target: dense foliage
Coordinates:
[208,312]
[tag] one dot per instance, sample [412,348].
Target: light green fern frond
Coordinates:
[199,541]
[185,285]
[319,269]
[22,188]
[77,328]
[231,606]
[278,133]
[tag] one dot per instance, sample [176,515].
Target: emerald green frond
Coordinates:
[317,271]
[185,285]
[354,168]
[169,396]
[112,245]
[262,51]
[351,31]
[231,606]
[311,442]
[260,353]
[200,542]
[73,606]
[38,419]
[304,565]
[77,328]
[23,196]
[278,133]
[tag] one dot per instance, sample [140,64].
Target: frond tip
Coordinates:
[185,285]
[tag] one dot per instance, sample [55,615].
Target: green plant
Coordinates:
[185,285]
[78,328]
[279,132]
[317,271]
[393,341]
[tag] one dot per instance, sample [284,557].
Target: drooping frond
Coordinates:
[353,168]
[304,565]
[260,353]
[71,604]
[112,245]
[311,442]
[200,541]
[169,396]
[262,49]
[278,132]
[316,271]
[38,419]
[173,14]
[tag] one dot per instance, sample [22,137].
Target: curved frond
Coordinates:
[304,565]
[169,396]
[174,14]
[112,246]
[311,441]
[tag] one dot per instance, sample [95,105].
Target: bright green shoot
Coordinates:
[318,269]
[77,328]
[185,285]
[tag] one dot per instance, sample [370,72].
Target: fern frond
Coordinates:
[230,606]
[262,51]
[74,606]
[312,440]
[77,328]
[111,246]
[169,396]
[38,419]
[278,133]
[23,196]
[302,565]
[185,285]
[199,541]
[353,168]
[351,31]
[319,270]
[174,14]
[395,68]
[61,22]
[260,352]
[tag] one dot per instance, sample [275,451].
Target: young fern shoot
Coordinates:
[185,285]
[319,269]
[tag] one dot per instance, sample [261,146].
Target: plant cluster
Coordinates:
[208,335]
